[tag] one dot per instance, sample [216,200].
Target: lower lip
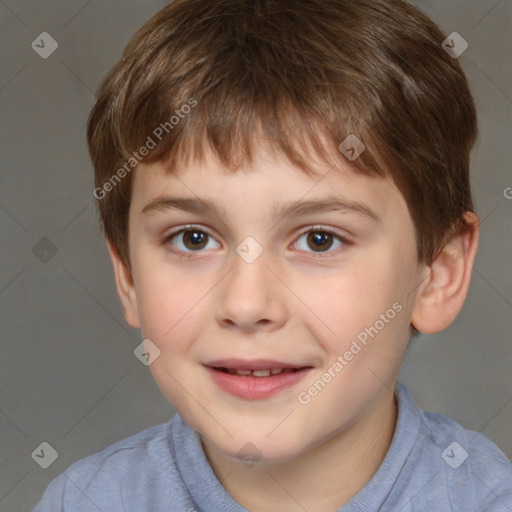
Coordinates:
[256,388]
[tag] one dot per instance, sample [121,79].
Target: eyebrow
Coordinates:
[204,206]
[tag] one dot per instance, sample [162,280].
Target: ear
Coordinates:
[125,287]
[442,294]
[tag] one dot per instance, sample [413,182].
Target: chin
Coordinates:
[250,447]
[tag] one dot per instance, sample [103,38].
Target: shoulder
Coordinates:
[125,455]
[116,475]
[469,462]
[436,463]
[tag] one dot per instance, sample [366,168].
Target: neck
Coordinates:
[322,479]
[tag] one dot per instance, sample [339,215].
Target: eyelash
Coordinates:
[311,229]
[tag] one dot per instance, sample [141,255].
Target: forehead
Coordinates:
[270,186]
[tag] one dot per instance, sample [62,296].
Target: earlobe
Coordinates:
[125,287]
[442,294]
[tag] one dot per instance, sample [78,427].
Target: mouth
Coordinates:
[257,379]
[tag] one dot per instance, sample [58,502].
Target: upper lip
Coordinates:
[255,364]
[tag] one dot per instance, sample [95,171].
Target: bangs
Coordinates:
[237,137]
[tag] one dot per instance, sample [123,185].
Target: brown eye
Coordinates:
[194,239]
[319,240]
[191,240]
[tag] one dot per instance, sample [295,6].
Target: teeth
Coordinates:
[259,373]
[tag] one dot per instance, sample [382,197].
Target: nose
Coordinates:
[252,298]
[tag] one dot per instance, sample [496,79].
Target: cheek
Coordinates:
[165,305]
[344,301]
[364,304]
[171,317]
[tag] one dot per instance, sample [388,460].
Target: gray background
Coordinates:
[68,375]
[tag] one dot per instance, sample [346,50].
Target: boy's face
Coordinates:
[305,301]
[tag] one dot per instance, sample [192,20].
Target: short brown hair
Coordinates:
[304,74]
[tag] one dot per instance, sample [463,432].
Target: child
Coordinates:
[285,195]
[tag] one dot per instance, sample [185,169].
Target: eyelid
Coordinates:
[187,227]
[325,229]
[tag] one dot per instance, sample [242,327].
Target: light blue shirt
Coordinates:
[432,465]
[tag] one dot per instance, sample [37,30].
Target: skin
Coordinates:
[294,303]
